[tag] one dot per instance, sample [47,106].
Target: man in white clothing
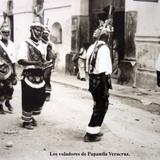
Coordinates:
[99,69]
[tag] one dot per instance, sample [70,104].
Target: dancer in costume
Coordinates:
[7,68]
[99,69]
[32,58]
[50,56]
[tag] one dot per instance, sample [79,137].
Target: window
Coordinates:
[56,33]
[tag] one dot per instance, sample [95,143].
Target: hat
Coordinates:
[101,31]
[109,10]
[46,29]
[104,30]
[37,23]
[5,27]
[102,16]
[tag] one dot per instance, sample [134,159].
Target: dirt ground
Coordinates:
[129,133]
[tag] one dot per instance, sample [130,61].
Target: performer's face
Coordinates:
[45,35]
[5,34]
[101,23]
[37,32]
[96,33]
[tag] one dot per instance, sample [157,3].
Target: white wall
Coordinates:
[148,16]
[22,19]
[80,7]
[84,7]
[57,11]
[62,11]
[56,3]
[75,7]
[61,14]
[3,7]
[147,40]
[22,6]
[21,28]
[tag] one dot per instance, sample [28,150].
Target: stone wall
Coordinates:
[147,53]
[146,41]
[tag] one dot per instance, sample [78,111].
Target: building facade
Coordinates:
[62,18]
[136,26]
[144,16]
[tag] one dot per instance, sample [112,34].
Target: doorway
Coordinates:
[119,31]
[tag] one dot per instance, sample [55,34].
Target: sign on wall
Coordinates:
[147,0]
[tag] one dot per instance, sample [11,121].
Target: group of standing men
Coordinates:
[37,56]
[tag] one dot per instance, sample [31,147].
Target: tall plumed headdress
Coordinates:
[4,26]
[46,29]
[105,21]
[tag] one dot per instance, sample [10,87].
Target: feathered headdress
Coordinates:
[106,21]
[46,29]
[4,26]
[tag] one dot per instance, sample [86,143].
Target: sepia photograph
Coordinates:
[79,80]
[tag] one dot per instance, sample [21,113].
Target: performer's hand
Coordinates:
[48,63]
[109,83]
[39,64]
[14,79]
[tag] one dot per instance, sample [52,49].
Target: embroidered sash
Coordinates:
[93,57]
[34,53]
[5,63]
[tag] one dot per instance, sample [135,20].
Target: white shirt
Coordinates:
[158,63]
[103,60]
[10,50]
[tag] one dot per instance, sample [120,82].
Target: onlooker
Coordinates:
[82,62]
[115,58]
[158,70]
